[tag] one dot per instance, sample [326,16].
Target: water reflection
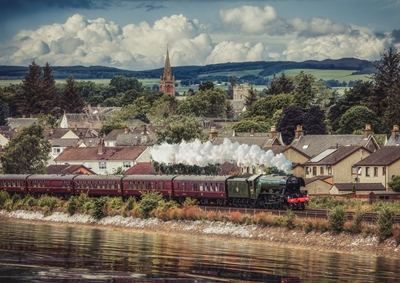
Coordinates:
[45,253]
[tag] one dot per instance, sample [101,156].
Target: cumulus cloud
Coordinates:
[228,51]
[361,45]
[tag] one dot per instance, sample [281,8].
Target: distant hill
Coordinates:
[264,69]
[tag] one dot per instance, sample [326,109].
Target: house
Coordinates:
[358,190]
[143,135]
[102,159]
[312,145]
[61,169]
[336,162]
[319,185]
[16,124]
[394,139]
[93,118]
[379,167]
[296,156]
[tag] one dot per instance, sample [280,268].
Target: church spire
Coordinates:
[167,79]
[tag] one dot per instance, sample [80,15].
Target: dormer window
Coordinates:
[305,146]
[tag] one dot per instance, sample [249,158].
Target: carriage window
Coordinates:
[205,187]
[112,186]
[161,185]
[98,184]
[183,186]
[152,185]
[201,187]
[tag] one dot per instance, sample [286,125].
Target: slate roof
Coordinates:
[16,123]
[311,145]
[64,142]
[382,157]
[260,141]
[140,168]
[348,187]
[58,133]
[319,177]
[117,153]
[337,155]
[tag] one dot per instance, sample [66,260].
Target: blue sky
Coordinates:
[134,35]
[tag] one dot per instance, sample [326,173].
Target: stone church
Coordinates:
[167,79]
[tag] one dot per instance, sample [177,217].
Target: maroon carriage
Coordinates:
[135,185]
[206,189]
[59,185]
[98,185]
[14,183]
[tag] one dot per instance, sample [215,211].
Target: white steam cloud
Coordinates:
[202,154]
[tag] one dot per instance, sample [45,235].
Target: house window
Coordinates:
[307,170]
[102,166]
[321,170]
[354,171]
[314,171]
[88,165]
[126,164]
[330,170]
[375,171]
[367,171]
[383,171]
[56,150]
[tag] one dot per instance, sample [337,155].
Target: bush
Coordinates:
[4,196]
[29,201]
[130,203]
[288,219]
[72,205]
[13,203]
[98,206]
[356,225]
[190,202]
[49,201]
[337,217]
[236,217]
[148,203]
[385,221]
[193,212]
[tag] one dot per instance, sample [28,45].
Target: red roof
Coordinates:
[110,153]
[140,168]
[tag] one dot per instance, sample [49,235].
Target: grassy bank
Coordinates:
[153,206]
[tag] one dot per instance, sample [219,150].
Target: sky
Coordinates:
[135,35]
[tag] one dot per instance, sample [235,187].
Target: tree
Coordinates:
[250,99]
[49,97]
[386,77]
[204,86]
[180,129]
[395,183]
[304,93]
[274,170]
[268,105]
[230,110]
[258,124]
[356,118]
[28,99]
[280,85]
[287,124]
[71,99]
[27,152]
[314,121]
[164,107]
[123,84]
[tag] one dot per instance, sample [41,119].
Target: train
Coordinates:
[253,191]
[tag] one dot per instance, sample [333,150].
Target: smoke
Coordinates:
[202,154]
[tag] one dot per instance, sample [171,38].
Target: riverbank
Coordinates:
[343,242]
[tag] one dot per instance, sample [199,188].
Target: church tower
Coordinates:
[167,79]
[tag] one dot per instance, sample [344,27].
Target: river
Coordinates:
[48,253]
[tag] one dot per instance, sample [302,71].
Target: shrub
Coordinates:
[72,205]
[385,221]
[214,216]
[115,203]
[148,203]
[236,217]
[4,196]
[193,213]
[190,202]
[29,201]
[130,203]
[263,218]
[308,227]
[337,217]
[356,225]
[288,219]
[83,201]
[13,203]
[49,201]
[98,206]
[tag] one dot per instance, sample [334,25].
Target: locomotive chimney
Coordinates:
[298,132]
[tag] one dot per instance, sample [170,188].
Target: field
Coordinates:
[340,75]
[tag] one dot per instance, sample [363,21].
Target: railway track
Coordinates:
[369,217]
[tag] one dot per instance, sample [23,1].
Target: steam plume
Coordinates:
[202,154]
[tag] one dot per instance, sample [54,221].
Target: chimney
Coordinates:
[252,132]
[395,131]
[272,133]
[86,119]
[213,133]
[89,108]
[299,132]
[144,129]
[126,130]
[100,147]
[367,131]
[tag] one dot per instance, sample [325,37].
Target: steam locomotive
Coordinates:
[258,191]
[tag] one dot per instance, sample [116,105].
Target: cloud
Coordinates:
[396,35]
[228,51]
[364,45]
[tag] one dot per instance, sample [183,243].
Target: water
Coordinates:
[46,253]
